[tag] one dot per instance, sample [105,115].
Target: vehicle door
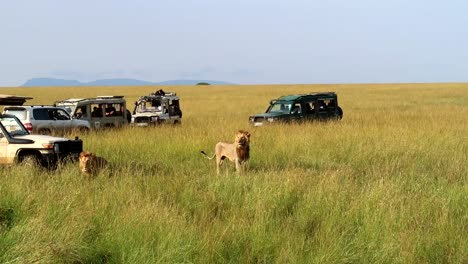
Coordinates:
[96,120]
[323,113]
[62,120]
[296,112]
[310,111]
[42,120]
[332,108]
[115,114]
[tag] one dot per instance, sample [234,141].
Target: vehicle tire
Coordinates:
[30,160]
[83,130]
[340,113]
[44,131]
[129,116]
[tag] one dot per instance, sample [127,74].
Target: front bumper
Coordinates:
[63,151]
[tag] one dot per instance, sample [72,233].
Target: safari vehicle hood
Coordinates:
[148,114]
[267,115]
[40,138]
[260,119]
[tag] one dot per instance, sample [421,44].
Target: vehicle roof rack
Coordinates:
[109,96]
[6,99]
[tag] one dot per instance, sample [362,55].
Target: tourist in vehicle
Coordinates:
[110,110]
[97,111]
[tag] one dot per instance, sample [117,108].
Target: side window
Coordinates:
[156,103]
[41,114]
[331,105]
[296,109]
[81,112]
[309,107]
[97,110]
[110,110]
[114,109]
[322,105]
[62,115]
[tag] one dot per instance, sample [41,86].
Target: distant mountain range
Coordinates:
[113,82]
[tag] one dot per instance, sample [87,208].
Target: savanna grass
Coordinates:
[387,184]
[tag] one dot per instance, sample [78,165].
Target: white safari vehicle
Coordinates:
[17,145]
[157,108]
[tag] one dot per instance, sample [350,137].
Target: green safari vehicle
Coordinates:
[300,107]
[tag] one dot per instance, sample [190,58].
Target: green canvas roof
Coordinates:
[296,97]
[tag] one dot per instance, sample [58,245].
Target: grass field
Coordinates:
[387,184]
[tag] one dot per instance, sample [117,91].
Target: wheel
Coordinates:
[83,130]
[29,160]
[129,116]
[340,113]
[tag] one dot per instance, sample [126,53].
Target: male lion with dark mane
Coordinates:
[237,152]
[90,164]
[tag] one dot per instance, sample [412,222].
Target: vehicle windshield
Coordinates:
[69,107]
[279,108]
[149,106]
[13,126]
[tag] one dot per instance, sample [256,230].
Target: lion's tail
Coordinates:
[203,152]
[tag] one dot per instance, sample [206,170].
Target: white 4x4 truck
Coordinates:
[17,145]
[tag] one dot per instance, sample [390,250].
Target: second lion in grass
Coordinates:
[237,152]
[90,164]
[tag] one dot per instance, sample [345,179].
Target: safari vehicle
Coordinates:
[300,107]
[100,112]
[157,108]
[17,145]
[46,120]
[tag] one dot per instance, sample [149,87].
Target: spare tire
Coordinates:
[340,113]
[129,116]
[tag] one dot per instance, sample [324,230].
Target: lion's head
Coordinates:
[242,139]
[90,163]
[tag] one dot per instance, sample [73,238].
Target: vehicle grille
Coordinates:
[143,119]
[259,119]
[70,146]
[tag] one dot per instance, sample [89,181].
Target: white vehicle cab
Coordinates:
[157,108]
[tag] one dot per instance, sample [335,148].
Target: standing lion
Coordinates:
[237,152]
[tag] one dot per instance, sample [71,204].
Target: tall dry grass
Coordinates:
[387,184]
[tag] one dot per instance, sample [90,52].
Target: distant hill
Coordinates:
[112,82]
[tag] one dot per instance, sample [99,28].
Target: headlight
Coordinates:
[251,118]
[48,145]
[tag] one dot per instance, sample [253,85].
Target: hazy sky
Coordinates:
[241,41]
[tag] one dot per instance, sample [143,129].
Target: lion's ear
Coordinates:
[247,134]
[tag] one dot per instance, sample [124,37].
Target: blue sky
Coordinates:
[242,41]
